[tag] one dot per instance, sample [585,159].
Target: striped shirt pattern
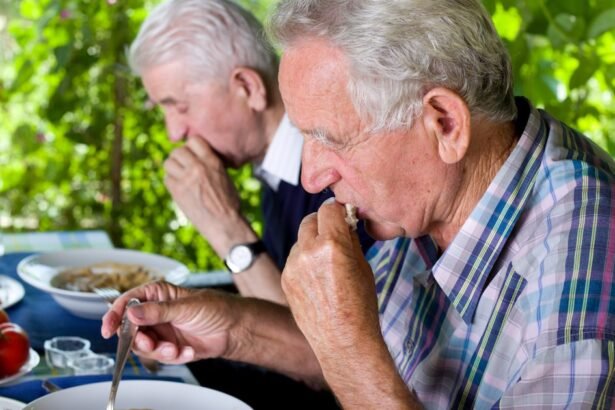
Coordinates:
[519,310]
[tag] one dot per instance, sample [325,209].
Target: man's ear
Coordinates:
[447,117]
[247,83]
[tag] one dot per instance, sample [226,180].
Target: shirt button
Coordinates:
[409,346]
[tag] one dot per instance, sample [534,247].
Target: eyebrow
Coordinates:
[318,133]
[167,101]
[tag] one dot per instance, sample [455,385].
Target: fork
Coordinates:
[108,294]
[128,330]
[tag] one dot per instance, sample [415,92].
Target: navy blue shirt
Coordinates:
[283,211]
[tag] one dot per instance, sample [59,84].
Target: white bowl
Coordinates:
[38,270]
[139,394]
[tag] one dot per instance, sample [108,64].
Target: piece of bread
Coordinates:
[351,216]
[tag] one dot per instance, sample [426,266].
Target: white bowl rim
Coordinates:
[180,272]
[154,385]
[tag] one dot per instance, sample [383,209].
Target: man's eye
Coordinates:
[182,109]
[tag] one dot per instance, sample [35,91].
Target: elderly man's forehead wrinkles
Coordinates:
[314,85]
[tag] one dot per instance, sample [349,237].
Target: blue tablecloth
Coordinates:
[42,318]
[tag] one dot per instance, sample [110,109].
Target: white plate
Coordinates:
[139,394]
[32,362]
[11,292]
[10,404]
[39,269]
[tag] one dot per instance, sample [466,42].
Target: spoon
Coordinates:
[128,330]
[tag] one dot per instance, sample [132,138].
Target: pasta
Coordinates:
[119,276]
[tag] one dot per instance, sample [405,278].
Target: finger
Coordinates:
[201,149]
[145,341]
[110,323]
[112,319]
[331,220]
[308,229]
[171,353]
[154,313]
[182,158]
[173,168]
[156,291]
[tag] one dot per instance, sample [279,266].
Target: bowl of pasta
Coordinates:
[71,276]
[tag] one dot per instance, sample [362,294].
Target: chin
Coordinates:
[383,232]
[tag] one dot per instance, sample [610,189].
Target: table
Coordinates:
[43,318]
[55,241]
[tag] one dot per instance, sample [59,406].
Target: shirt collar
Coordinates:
[463,269]
[282,161]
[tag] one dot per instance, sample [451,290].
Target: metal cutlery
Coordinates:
[50,386]
[108,294]
[128,330]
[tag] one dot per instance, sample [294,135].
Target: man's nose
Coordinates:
[317,167]
[176,129]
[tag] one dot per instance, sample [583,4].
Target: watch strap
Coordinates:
[257,247]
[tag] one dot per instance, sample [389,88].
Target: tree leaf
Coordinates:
[604,22]
[62,55]
[566,28]
[25,73]
[586,69]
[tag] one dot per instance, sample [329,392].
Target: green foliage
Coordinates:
[83,149]
[80,148]
[563,54]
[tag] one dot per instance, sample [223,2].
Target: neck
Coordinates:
[490,146]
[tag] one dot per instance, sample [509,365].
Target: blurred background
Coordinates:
[82,148]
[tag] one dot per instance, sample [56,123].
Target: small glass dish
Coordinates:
[92,364]
[60,350]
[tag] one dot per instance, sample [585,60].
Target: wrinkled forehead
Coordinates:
[164,79]
[313,78]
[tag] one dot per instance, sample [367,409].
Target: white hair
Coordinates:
[211,37]
[398,50]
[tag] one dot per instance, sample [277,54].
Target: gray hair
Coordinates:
[398,50]
[211,37]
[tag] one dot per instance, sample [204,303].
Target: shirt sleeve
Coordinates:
[574,375]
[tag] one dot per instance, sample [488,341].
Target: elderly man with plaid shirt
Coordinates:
[493,284]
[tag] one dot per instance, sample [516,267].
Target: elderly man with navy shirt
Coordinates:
[209,66]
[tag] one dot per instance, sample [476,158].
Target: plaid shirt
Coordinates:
[519,311]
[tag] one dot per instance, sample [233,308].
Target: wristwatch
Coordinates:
[242,256]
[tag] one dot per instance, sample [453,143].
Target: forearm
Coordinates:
[262,280]
[268,336]
[365,377]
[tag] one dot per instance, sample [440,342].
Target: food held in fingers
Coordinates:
[351,216]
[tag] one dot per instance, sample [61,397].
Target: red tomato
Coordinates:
[14,349]
[3,316]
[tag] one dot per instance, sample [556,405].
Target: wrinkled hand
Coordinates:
[330,286]
[176,325]
[202,188]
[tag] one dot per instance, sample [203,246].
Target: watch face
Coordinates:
[241,257]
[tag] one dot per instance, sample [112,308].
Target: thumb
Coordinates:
[356,242]
[152,313]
